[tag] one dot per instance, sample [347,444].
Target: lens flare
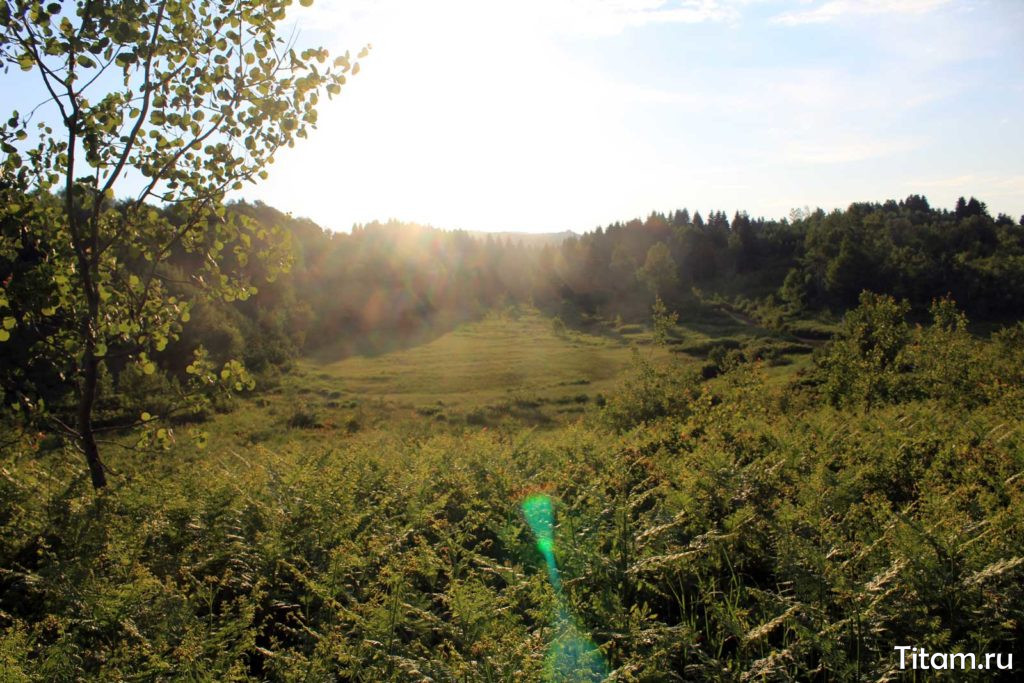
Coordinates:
[572,656]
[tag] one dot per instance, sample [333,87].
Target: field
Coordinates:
[511,370]
[495,360]
[255,427]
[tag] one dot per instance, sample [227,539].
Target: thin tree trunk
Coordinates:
[85,405]
[90,372]
[87,250]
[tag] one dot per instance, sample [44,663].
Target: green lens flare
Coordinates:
[539,516]
[571,656]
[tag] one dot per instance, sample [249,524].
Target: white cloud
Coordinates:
[614,16]
[833,10]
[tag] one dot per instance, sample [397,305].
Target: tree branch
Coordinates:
[147,98]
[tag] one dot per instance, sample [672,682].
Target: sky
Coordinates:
[547,115]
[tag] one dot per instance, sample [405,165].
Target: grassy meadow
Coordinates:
[516,368]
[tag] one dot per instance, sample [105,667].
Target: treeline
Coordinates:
[395,280]
[911,251]
[817,260]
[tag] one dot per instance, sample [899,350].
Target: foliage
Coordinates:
[909,250]
[663,322]
[408,283]
[652,392]
[866,361]
[877,357]
[659,269]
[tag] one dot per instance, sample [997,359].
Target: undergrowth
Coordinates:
[720,531]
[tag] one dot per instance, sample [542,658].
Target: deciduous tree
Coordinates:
[177,103]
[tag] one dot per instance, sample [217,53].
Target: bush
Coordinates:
[759,535]
[651,392]
[877,358]
[866,361]
[303,418]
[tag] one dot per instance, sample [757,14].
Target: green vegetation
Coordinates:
[724,529]
[495,359]
[676,448]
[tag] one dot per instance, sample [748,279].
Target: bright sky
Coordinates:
[551,114]
[544,115]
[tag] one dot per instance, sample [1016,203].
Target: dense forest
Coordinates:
[393,277]
[815,261]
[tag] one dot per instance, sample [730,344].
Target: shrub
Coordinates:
[303,418]
[865,362]
[651,392]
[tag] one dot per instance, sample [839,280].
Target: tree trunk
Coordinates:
[85,404]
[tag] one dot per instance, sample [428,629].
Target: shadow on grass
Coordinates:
[409,333]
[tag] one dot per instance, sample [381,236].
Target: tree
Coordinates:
[865,361]
[663,321]
[177,103]
[659,269]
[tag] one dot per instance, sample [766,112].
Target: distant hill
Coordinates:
[533,239]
